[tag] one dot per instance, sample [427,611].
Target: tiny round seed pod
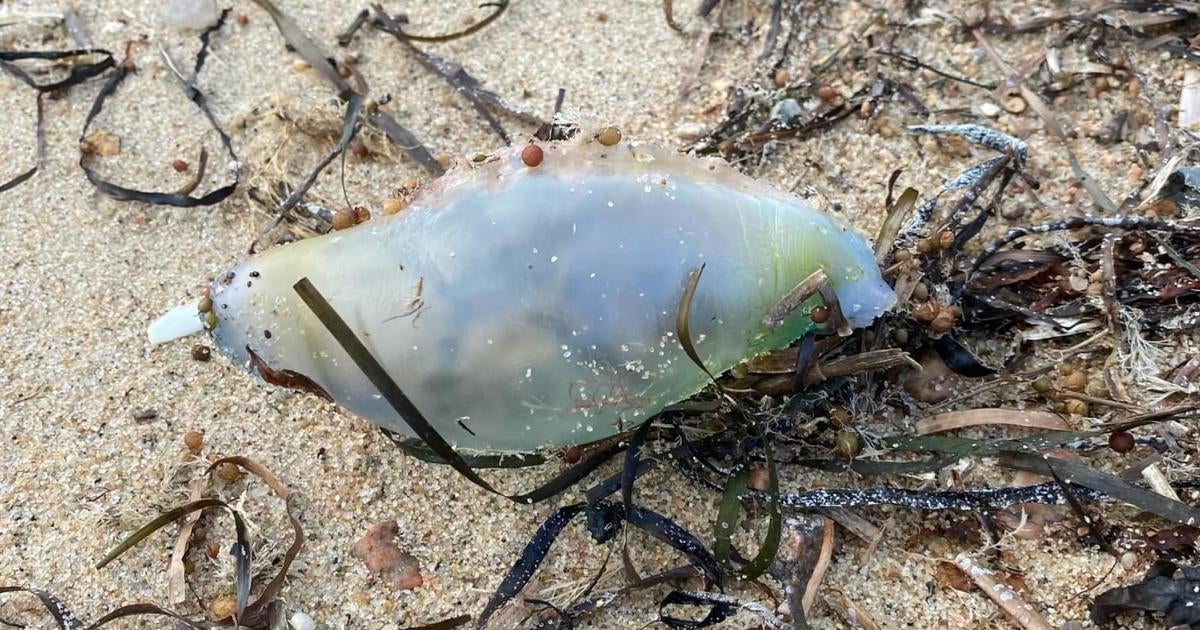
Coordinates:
[1076,407]
[839,417]
[943,323]
[532,155]
[361,215]
[609,136]
[194,440]
[926,312]
[847,444]
[819,314]
[343,219]
[920,292]
[945,239]
[1042,385]
[1075,381]
[1121,441]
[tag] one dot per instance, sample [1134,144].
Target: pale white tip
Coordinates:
[181,321]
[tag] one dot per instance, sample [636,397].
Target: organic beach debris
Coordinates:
[529,299]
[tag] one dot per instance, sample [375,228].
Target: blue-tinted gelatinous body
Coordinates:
[524,307]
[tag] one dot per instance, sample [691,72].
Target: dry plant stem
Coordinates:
[979,417]
[792,300]
[1158,481]
[176,572]
[1003,595]
[847,609]
[1015,79]
[822,565]
[853,523]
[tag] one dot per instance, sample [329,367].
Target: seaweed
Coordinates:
[260,614]
[80,72]
[179,199]
[1160,591]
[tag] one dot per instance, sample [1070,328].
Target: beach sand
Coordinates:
[81,276]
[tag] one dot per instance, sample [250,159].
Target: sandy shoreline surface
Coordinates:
[81,276]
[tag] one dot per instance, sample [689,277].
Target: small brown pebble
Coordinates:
[444,160]
[194,440]
[228,472]
[145,415]
[343,219]
[1015,105]
[361,215]
[1076,407]
[607,137]
[1075,381]
[201,352]
[241,19]
[378,550]
[847,444]
[212,550]
[180,166]
[602,17]
[359,149]
[572,454]
[826,93]
[1121,441]
[819,314]
[393,205]
[102,143]
[205,305]
[532,155]
[224,607]
[782,78]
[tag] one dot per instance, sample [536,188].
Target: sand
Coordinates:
[81,275]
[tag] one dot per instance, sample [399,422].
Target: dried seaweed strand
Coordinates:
[39,153]
[499,5]
[311,53]
[196,97]
[456,76]
[1073,223]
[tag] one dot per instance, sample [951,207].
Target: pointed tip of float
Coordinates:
[179,322]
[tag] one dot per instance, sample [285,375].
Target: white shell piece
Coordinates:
[181,321]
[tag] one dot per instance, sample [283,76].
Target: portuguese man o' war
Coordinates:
[528,306]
